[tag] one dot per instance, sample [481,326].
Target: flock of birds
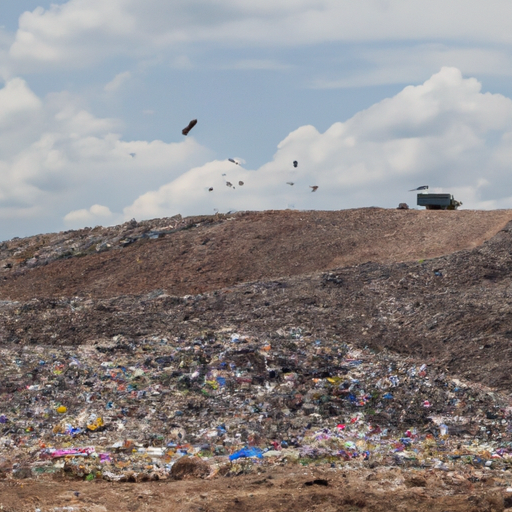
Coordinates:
[191,125]
[313,188]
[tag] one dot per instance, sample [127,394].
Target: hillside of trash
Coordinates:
[401,364]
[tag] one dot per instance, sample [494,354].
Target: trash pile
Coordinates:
[31,252]
[129,410]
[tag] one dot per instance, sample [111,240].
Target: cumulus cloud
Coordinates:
[75,32]
[444,132]
[79,32]
[96,214]
[57,158]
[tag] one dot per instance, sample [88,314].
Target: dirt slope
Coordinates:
[209,253]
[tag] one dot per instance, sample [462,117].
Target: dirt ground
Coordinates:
[221,251]
[293,489]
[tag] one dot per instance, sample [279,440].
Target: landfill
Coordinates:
[235,402]
[341,361]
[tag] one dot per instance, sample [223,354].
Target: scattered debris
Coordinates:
[191,125]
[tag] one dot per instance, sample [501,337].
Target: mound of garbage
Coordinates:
[227,402]
[393,364]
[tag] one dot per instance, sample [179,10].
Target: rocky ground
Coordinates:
[371,346]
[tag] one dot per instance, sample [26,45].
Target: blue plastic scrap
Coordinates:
[246,452]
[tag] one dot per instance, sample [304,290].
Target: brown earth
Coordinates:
[220,251]
[294,489]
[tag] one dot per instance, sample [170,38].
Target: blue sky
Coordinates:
[371,97]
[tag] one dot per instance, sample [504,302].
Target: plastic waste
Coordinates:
[247,452]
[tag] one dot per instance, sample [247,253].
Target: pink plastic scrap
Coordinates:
[105,457]
[73,452]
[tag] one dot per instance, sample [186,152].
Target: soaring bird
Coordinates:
[189,127]
[234,161]
[295,163]
[290,183]
[313,187]
[423,187]
[210,189]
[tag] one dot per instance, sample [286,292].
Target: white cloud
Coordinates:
[56,157]
[16,99]
[80,32]
[96,214]
[444,133]
[78,29]
[116,83]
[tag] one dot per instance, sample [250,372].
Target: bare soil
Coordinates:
[290,489]
[221,251]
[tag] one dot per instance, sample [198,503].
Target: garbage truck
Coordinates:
[438,201]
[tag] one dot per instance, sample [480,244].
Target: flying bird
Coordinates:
[234,161]
[229,184]
[313,187]
[133,155]
[210,189]
[423,187]
[189,127]
[295,163]
[290,183]
[240,183]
